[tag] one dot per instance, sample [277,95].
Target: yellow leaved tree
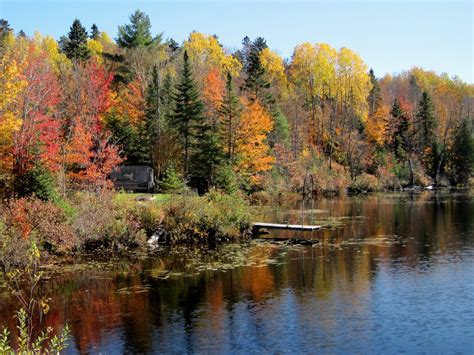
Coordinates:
[205,50]
[12,84]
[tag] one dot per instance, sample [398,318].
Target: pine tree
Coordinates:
[401,144]
[153,106]
[207,157]
[229,112]
[75,46]
[173,45]
[462,154]
[137,33]
[426,122]
[172,181]
[375,97]
[255,82]
[95,32]
[400,138]
[188,112]
[4,30]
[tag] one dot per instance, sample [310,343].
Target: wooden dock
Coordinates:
[298,227]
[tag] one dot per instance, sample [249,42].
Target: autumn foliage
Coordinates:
[77,108]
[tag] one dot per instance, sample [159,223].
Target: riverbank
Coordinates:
[107,221]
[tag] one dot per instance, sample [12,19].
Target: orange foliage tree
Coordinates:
[90,156]
[251,146]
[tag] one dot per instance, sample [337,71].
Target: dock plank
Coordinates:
[299,227]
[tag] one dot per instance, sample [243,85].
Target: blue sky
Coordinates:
[391,36]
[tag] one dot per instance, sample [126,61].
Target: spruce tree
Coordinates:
[153,106]
[229,112]
[401,141]
[75,45]
[188,112]
[172,45]
[95,32]
[4,29]
[206,158]
[426,122]
[400,138]
[255,82]
[462,154]
[137,33]
[375,96]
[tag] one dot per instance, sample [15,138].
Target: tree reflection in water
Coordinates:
[397,269]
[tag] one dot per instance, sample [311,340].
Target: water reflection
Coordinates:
[395,277]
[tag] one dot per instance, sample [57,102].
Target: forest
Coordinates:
[202,116]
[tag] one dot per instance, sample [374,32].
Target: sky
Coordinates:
[390,36]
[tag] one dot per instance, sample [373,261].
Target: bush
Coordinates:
[211,218]
[364,183]
[13,248]
[149,216]
[31,217]
[38,182]
[100,222]
[261,198]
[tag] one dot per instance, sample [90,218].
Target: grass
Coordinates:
[124,197]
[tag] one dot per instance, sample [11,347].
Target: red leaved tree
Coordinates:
[90,156]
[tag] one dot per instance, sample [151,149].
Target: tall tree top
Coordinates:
[95,32]
[76,42]
[137,33]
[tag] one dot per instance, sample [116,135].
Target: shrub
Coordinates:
[13,248]
[260,198]
[149,216]
[38,182]
[210,218]
[364,183]
[31,217]
[100,222]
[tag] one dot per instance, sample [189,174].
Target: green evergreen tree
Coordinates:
[172,181]
[229,112]
[133,140]
[188,112]
[401,144]
[137,33]
[173,45]
[426,122]
[95,32]
[280,133]
[400,138]
[206,158]
[375,97]
[153,106]
[5,29]
[75,45]
[255,82]
[462,154]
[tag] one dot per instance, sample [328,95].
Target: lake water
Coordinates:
[394,273]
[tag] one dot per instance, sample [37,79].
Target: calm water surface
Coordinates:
[395,273]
